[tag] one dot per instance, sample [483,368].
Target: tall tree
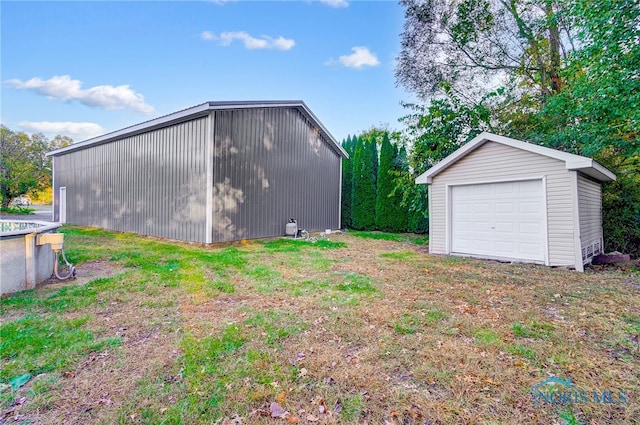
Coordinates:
[23,165]
[469,44]
[365,164]
[582,98]
[597,113]
[347,182]
[390,215]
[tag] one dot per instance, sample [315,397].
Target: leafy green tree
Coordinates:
[569,76]
[347,182]
[437,130]
[433,132]
[391,216]
[23,165]
[365,164]
[597,113]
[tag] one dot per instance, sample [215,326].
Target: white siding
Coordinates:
[494,162]
[590,212]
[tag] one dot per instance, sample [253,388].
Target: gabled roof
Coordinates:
[583,164]
[200,111]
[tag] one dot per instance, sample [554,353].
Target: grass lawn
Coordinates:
[360,328]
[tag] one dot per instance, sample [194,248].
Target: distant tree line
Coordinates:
[370,180]
[24,167]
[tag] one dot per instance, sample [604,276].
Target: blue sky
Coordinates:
[85,68]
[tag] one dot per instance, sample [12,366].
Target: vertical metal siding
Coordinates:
[152,183]
[271,164]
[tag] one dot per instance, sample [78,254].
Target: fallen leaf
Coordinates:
[322,409]
[264,412]
[276,410]
[293,420]
[489,380]
[338,407]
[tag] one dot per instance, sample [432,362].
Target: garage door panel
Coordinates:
[531,187]
[482,208]
[506,227]
[481,227]
[481,244]
[529,207]
[529,248]
[530,228]
[503,220]
[504,208]
[482,191]
[464,226]
[505,189]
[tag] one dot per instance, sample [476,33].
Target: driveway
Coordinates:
[41,213]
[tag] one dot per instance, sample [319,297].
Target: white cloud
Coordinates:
[335,3]
[76,130]
[62,87]
[207,35]
[250,42]
[360,57]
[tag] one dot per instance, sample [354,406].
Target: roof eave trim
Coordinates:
[592,168]
[174,118]
[423,179]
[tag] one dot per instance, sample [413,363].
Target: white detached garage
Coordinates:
[504,199]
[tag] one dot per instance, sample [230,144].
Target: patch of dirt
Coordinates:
[85,273]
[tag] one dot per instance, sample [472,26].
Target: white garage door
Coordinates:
[499,220]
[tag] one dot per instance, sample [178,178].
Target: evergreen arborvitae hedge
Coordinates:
[365,165]
[347,183]
[390,216]
[416,220]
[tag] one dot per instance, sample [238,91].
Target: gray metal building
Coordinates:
[219,171]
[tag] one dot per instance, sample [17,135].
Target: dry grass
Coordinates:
[372,331]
